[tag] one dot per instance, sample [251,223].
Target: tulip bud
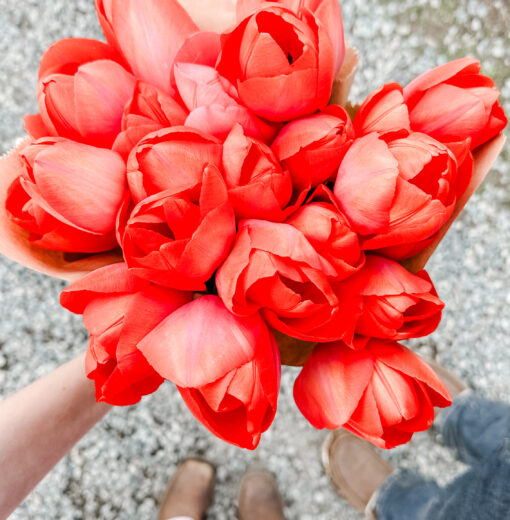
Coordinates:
[382,391]
[226,368]
[68,195]
[119,310]
[454,102]
[282,65]
[397,195]
[312,148]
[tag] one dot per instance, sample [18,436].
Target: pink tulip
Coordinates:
[257,185]
[384,300]
[172,159]
[16,245]
[148,33]
[454,102]
[81,93]
[214,104]
[281,64]
[326,12]
[227,368]
[312,148]
[179,238]
[149,110]
[384,112]
[381,392]
[274,269]
[118,311]
[397,195]
[68,195]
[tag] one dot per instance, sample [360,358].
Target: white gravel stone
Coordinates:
[120,469]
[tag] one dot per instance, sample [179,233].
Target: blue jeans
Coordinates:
[479,430]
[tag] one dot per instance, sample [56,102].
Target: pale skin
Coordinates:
[39,425]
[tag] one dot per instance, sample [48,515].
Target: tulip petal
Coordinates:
[112,279]
[330,386]
[407,362]
[70,178]
[201,342]
[281,98]
[366,184]
[384,112]
[149,34]
[102,89]
[438,75]
[66,56]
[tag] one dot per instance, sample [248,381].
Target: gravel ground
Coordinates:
[120,470]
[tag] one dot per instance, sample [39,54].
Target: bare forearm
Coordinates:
[39,425]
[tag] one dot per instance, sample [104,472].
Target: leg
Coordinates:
[482,493]
[259,498]
[405,494]
[474,426]
[190,491]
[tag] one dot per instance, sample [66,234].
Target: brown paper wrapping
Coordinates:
[345,78]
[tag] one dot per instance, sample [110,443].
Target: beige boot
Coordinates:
[190,491]
[354,467]
[259,498]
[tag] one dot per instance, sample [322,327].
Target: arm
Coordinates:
[39,425]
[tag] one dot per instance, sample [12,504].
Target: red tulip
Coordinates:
[397,195]
[227,368]
[382,392]
[214,105]
[119,310]
[312,148]
[257,185]
[327,13]
[273,268]
[171,159]
[331,235]
[281,64]
[149,110]
[384,300]
[384,112]
[179,238]
[454,102]
[68,195]
[148,33]
[82,93]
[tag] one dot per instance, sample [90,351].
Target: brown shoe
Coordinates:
[190,491]
[259,498]
[354,467]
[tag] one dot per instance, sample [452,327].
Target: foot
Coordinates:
[259,498]
[190,491]
[354,467]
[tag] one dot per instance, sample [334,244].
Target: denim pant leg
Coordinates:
[475,427]
[406,495]
[482,493]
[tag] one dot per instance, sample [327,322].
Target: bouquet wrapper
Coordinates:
[296,353]
[15,243]
[345,77]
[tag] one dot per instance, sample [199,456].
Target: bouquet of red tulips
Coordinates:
[221,210]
